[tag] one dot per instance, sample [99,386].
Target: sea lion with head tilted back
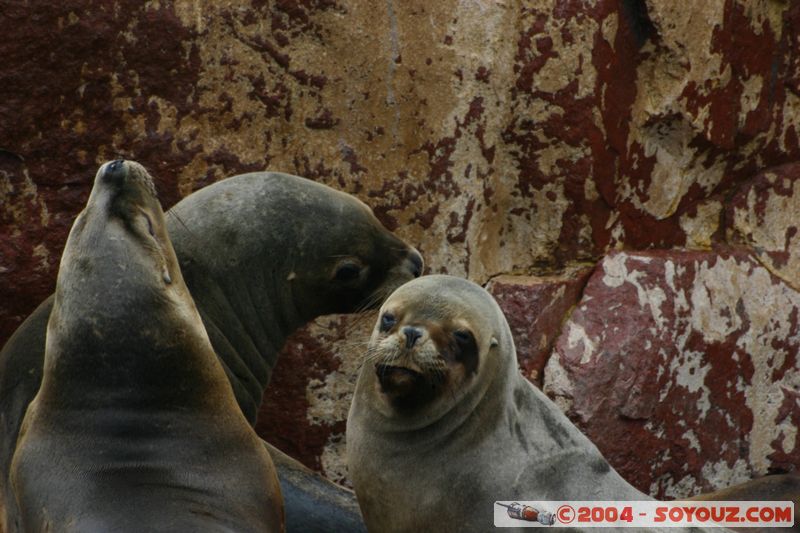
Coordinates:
[135,426]
[262,254]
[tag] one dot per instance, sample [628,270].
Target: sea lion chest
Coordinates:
[107,470]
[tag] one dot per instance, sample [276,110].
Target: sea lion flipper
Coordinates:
[313,502]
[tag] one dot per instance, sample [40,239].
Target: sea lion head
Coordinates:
[266,252]
[310,249]
[355,262]
[118,260]
[437,341]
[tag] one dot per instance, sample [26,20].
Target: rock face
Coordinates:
[535,307]
[498,137]
[305,408]
[765,215]
[692,356]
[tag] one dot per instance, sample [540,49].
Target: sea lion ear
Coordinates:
[493,342]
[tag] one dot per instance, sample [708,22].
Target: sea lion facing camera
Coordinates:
[443,424]
[135,426]
[261,253]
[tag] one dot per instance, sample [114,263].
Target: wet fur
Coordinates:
[135,426]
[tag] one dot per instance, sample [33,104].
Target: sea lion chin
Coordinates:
[406,390]
[398,380]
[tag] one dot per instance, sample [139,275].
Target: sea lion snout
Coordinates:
[116,165]
[415,262]
[412,335]
[114,172]
[120,173]
[409,367]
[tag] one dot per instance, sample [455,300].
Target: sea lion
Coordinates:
[261,254]
[265,253]
[135,426]
[442,423]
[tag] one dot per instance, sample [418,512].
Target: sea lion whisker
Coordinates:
[370,354]
[358,319]
[370,300]
[355,342]
[353,326]
[356,348]
[381,293]
[367,359]
[362,313]
[360,349]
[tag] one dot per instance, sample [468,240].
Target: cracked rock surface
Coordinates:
[512,142]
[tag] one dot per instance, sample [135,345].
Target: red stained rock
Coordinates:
[282,419]
[535,308]
[683,368]
[305,407]
[588,126]
[57,89]
[765,215]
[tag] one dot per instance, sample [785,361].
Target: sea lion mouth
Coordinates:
[398,380]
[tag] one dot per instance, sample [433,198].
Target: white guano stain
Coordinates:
[721,474]
[773,228]
[677,489]
[691,436]
[722,295]
[689,372]
[577,335]
[559,385]
[702,226]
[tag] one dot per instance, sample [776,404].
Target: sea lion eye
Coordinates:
[150,226]
[462,336]
[347,272]
[465,350]
[387,321]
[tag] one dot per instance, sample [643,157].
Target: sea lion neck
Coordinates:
[135,426]
[246,303]
[118,260]
[248,314]
[264,253]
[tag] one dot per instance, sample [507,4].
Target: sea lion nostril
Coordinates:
[412,335]
[114,171]
[416,263]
